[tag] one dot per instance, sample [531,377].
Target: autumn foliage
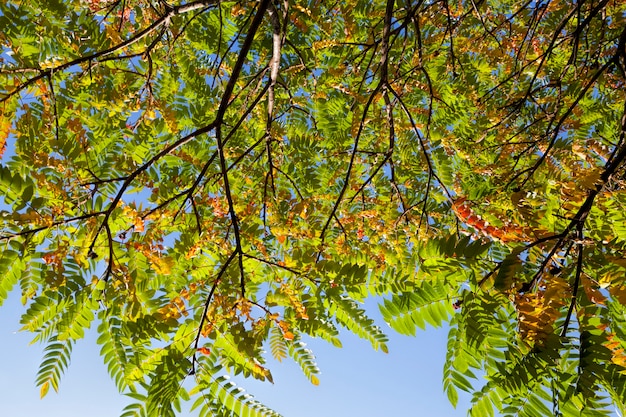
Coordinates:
[200,180]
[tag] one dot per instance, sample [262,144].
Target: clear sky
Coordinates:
[355,380]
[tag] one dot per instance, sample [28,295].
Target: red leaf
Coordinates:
[204,350]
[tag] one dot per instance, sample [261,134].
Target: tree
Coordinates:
[198,179]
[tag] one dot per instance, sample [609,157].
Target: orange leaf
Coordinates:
[204,350]
[5,129]
[592,291]
[138,223]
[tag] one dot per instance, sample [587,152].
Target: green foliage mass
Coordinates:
[203,180]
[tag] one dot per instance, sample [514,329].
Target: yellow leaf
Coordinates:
[162,265]
[591,180]
[168,312]
[5,129]
[618,292]
[314,380]
[262,373]
[44,389]
[180,305]
[81,258]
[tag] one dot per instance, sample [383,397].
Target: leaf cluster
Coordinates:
[203,180]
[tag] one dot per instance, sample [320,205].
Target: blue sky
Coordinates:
[355,380]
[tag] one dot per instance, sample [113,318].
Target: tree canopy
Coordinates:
[203,180]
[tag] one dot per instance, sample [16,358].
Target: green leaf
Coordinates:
[304,357]
[55,361]
[427,304]
[10,267]
[348,314]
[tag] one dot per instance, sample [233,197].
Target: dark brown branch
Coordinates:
[241,59]
[231,208]
[207,302]
[245,153]
[384,59]
[490,274]
[553,43]
[55,108]
[292,181]
[272,263]
[390,124]
[51,225]
[109,269]
[219,120]
[422,142]
[579,269]
[190,191]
